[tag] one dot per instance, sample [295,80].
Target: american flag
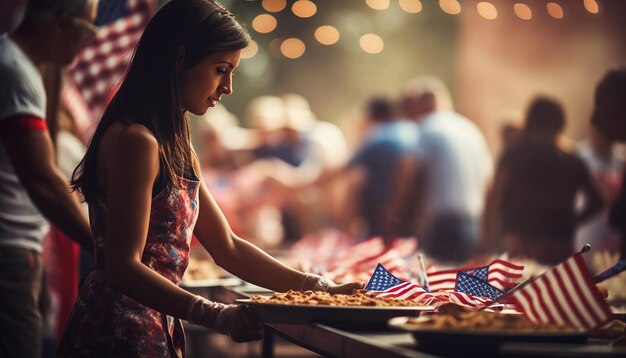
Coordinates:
[564,295]
[384,284]
[476,285]
[99,67]
[501,274]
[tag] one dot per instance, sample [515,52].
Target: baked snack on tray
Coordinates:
[316,298]
[453,316]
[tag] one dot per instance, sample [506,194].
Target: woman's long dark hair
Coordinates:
[149,93]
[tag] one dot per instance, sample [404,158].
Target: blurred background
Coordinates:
[494,55]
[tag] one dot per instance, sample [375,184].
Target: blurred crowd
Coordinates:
[416,169]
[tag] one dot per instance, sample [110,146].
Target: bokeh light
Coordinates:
[371,43]
[451,7]
[377,4]
[591,6]
[555,10]
[274,5]
[250,51]
[327,35]
[487,10]
[264,23]
[523,11]
[304,8]
[292,48]
[411,6]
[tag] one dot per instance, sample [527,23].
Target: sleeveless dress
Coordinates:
[107,323]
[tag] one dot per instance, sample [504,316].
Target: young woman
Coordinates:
[140,179]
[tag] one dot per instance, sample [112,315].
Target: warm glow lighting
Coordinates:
[487,10]
[371,43]
[304,8]
[523,11]
[377,4]
[264,23]
[411,6]
[274,5]
[451,7]
[591,6]
[327,35]
[292,48]
[250,51]
[555,10]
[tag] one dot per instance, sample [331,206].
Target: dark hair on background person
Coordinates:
[545,116]
[609,114]
[379,109]
[41,10]
[182,29]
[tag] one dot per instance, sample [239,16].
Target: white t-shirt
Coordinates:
[21,93]
[458,165]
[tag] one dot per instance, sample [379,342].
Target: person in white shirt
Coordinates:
[454,167]
[32,188]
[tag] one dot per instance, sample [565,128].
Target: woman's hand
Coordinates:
[239,323]
[232,320]
[314,282]
[346,288]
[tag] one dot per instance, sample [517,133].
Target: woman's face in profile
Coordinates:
[203,85]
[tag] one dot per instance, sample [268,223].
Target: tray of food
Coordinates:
[322,307]
[479,331]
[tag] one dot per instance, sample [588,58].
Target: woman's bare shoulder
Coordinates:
[120,137]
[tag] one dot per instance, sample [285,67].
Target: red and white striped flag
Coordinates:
[564,295]
[99,67]
[502,274]
[358,263]
[402,291]
[319,247]
[348,257]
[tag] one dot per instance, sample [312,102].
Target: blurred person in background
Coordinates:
[329,143]
[236,187]
[370,172]
[11,14]
[510,134]
[143,184]
[326,150]
[531,210]
[64,261]
[388,141]
[32,188]
[295,147]
[609,117]
[272,150]
[606,168]
[452,172]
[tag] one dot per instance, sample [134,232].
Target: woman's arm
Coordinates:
[132,164]
[242,258]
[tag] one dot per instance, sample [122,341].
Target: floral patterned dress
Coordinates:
[107,323]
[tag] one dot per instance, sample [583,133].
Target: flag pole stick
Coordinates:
[610,272]
[423,274]
[585,248]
